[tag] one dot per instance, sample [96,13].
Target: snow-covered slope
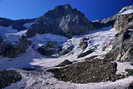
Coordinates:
[39,40]
[126,10]
[100,41]
[97,40]
[130,11]
[32,59]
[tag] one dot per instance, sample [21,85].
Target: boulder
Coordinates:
[83,43]
[7,77]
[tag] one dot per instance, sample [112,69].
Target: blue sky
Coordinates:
[93,9]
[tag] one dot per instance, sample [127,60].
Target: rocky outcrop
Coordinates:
[124,22]
[83,43]
[19,24]
[66,50]
[64,63]
[7,77]
[49,49]
[11,50]
[83,54]
[126,8]
[106,22]
[122,45]
[5,22]
[15,24]
[63,20]
[95,70]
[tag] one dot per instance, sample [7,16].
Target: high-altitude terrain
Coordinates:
[62,49]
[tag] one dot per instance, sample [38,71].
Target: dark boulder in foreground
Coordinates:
[7,77]
[63,20]
[87,72]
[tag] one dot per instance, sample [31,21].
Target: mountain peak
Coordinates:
[65,6]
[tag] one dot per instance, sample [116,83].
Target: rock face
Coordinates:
[16,24]
[66,50]
[105,22]
[11,50]
[123,46]
[89,71]
[19,24]
[7,77]
[83,43]
[5,22]
[64,63]
[63,20]
[49,49]
[124,22]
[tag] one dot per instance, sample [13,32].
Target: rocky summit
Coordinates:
[63,20]
[62,49]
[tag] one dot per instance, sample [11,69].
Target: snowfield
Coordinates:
[39,40]
[126,10]
[45,80]
[130,11]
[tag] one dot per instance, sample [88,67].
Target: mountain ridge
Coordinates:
[62,49]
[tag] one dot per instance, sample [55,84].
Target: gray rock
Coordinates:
[64,63]
[63,20]
[106,22]
[87,72]
[11,50]
[86,53]
[122,45]
[7,77]
[49,49]
[15,24]
[66,50]
[83,43]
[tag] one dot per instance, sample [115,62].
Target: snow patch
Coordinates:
[122,66]
[129,11]
[97,40]
[39,40]
[28,25]
[22,61]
